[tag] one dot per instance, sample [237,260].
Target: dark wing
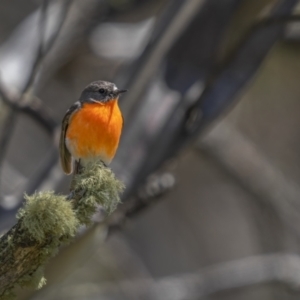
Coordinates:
[65,155]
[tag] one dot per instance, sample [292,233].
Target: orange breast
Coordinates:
[94,131]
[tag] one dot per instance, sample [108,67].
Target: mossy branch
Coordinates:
[48,221]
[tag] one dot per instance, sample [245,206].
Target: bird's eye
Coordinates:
[101,91]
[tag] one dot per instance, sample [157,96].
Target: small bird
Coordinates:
[91,127]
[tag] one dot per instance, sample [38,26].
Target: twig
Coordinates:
[149,193]
[40,113]
[44,49]
[34,108]
[65,10]
[41,51]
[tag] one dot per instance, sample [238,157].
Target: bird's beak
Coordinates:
[121,91]
[118,92]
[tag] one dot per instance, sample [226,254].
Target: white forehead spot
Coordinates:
[115,88]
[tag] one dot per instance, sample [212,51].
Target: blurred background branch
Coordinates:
[227,189]
[237,274]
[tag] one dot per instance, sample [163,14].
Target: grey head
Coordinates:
[100,91]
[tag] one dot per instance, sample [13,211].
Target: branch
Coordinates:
[43,49]
[10,122]
[26,102]
[148,194]
[249,271]
[33,107]
[48,221]
[238,68]
[253,171]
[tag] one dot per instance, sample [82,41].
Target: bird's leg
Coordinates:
[78,167]
[77,170]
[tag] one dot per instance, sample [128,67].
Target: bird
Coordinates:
[92,127]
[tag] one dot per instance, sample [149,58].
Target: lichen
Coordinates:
[48,215]
[97,185]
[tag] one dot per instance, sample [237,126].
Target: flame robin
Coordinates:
[91,127]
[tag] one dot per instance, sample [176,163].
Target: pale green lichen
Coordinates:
[97,185]
[47,215]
